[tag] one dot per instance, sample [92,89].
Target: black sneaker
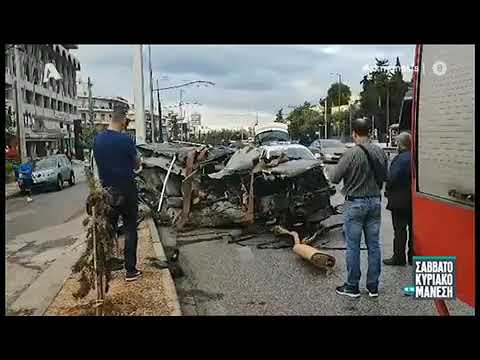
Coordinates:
[346,291]
[372,292]
[133,276]
[394,262]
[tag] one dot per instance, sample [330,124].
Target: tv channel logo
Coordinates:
[434,278]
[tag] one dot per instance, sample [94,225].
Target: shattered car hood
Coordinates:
[241,161]
[293,167]
[245,160]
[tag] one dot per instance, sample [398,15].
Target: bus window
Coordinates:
[445,123]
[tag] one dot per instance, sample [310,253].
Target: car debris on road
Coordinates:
[192,186]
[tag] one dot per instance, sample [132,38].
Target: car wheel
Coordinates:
[72,179]
[59,183]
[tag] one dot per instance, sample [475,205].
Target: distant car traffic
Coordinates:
[328,150]
[51,172]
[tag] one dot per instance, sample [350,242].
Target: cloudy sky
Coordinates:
[248,78]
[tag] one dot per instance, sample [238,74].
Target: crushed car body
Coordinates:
[278,183]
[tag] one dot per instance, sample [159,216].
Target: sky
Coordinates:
[249,79]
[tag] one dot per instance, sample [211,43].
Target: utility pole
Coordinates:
[339,98]
[90,103]
[180,102]
[160,127]
[152,116]
[326,101]
[19,106]
[388,109]
[350,120]
[138,94]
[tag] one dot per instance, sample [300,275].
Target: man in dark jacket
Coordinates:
[398,192]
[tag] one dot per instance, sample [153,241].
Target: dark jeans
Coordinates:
[124,204]
[402,219]
[363,215]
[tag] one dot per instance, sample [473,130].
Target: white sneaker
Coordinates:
[29,200]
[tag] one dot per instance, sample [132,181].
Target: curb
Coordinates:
[170,290]
[12,195]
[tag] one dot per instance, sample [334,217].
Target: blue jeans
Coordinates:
[363,215]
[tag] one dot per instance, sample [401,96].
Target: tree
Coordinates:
[304,122]
[88,135]
[339,122]
[345,94]
[279,117]
[382,88]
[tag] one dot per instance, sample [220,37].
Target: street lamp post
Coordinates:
[339,94]
[179,86]
[138,94]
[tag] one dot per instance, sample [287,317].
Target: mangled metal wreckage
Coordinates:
[191,186]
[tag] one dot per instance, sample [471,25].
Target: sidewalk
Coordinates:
[153,294]
[11,190]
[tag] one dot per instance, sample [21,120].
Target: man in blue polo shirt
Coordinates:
[116,158]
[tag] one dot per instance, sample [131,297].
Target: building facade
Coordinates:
[49,107]
[102,108]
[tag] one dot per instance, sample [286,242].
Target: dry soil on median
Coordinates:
[145,296]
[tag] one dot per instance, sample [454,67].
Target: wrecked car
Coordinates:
[204,186]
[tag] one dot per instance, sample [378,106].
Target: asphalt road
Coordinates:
[38,233]
[229,279]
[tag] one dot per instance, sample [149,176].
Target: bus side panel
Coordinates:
[447,230]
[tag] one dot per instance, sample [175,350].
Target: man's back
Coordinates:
[354,168]
[115,155]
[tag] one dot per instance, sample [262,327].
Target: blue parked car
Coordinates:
[50,172]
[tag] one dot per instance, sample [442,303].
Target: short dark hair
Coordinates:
[361,126]
[119,111]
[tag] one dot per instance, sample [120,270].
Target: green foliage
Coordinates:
[333,93]
[87,137]
[303,123]
[279,117]
[382,86]
[9,168]
[222,136]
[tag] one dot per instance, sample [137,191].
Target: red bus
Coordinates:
[443,166]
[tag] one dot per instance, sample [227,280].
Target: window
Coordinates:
[84,117]
[29,97]
[102,117]
[445,123]
[61,124]
[38,100]
[46,102]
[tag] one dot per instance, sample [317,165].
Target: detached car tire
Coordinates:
[71,181]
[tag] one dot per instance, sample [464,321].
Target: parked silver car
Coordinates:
[328,150]
[52,171]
